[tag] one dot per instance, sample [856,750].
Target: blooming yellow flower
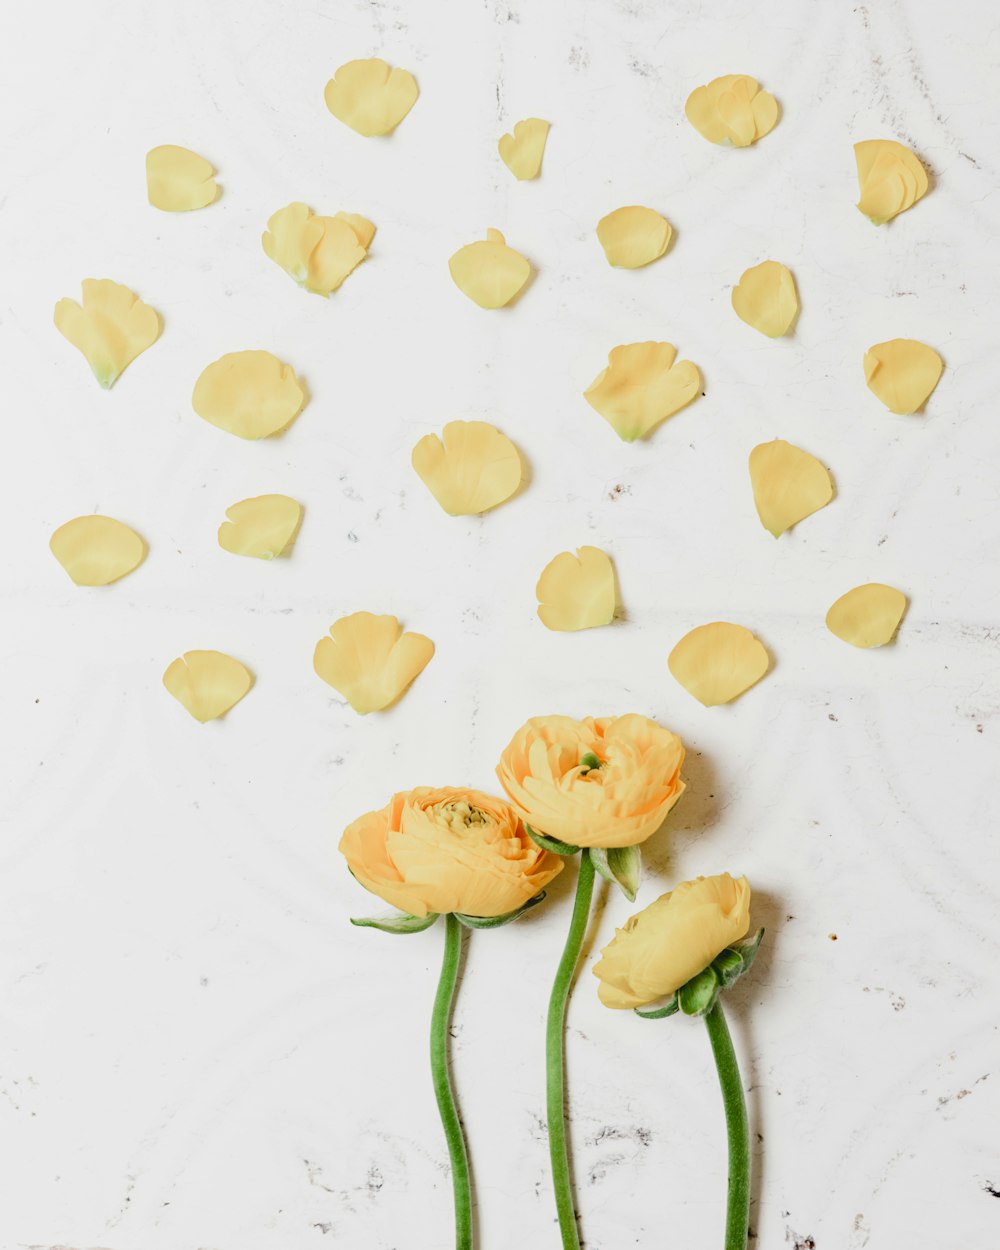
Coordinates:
[672,940]
[606,782]
[447,850]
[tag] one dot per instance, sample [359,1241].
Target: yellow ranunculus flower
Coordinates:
[447,850]
[605,782]
[672,940]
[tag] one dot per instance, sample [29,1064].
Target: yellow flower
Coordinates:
[111,327]
[672,940]
[447,850]
[318,252]
[605,782]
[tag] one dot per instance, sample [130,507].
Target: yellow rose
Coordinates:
[447,850]
[607,782]
[672,940]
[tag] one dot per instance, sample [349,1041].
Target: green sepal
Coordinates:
[669,1008]
[698,996]
[747,949]
[728,966]
[396,922]
[551,844]
[494,922]
[621,865]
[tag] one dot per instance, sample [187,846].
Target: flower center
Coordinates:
[590,764]
[461,815]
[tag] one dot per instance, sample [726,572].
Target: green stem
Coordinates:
[555,1055]
[443,1091]
[737,1130]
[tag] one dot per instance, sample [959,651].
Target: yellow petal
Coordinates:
[489,272]
[369,660]
[642,387]
[262,527]
[633,236]
[891,178]
[732,110]
[867,616]
[178,180]
[363,229]
[522,151]
[577,591]
[717,662]
[208,683]
[788,485]
[318,252]
[97,550]
[471,469]
[370,96]
[902,373]
[250,394]
[765,298]
[111,327]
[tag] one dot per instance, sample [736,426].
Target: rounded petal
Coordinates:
[641,387]
[766,299]
[489,272]
[788,485]
[318,252]
[891,179]
[633,236]
[207,683]
[732,110]
[867,616]
[250,394]
[522,150]
[178,180]
[577,591]
[110,327]
[370,96]
[718,662]
[902,373]
[97,550]
[470,469]
[370,660]
[262,527]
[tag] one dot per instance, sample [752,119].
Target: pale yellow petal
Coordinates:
[765,113]
[318,252]
[370,96]
[111,327]
[207,683]
[732,110]
[97,550]
[263,526]
[178,180]
[489,272]
[473,467]
[867,616]
[336,255]
[902,373]
[362,227]
[765,298]
[641,387]
[251,394]
[577,591]
[522,151]
[735,111]
[788,485]
[370,660]
[633,236]
[891,178]
[718,662]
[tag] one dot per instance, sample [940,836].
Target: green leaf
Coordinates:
[698,996]
[621,865]
[396,922]
[669,1008]
[494,922]
[551,844]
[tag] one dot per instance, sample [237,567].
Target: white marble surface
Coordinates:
[196,1051]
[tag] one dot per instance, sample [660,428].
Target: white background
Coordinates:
[197,1052]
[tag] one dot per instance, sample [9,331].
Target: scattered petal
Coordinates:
[788,485]
[634,236]
[97,550]
[489,272]
[369,660]
[765,298]
[642,387]
[208,683]
[261,527]
[110,328]
[891,179]
[318,252]
[522,151]
[471,469]
[577,591]
[867,616]
[251,394]
[718,662]
[902,373]
[732,110]
[178,180]
[370,96]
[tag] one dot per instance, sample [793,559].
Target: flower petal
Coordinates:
[633,236]
[207,683]
[111,327]
[732,110]
[97,550]
[902,373]
[891,178]
[577,591]
[522,151]
[250,394]
[263,526]
[370,96]
[765,298]
[471,469]
[318,252]
[717,662]
[489,272]
[641,387]
[369,660]
[867,616]
[788,485]
[178,180]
